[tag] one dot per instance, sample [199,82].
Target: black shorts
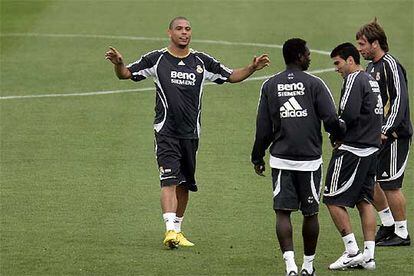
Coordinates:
[350,179]
[297,190]
[176,160]
[392,160]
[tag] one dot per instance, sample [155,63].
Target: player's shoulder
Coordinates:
[295,76]
[272,80]
[389,58]
[149,59]
[202,55]
[313,79]
[358,79]
[391,62]
[275,77]
[353,77]
[155,54]
[364,77]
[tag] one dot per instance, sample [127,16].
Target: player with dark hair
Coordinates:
[344,51]
[396,134]
[292,105]
[351,173]
[179,74]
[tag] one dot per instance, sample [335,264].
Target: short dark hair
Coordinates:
[346,50]
[175,19]
[373,31]
[292,49]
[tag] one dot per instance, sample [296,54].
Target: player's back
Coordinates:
[297,102]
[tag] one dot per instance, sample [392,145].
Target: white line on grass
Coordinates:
[206,41]
[132,90]
[218,42]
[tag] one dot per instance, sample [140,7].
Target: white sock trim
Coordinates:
[401,229]
[386,217]
[350,243]
[369,250]
[289,258]
[177,223]
[169,221]
[308,263]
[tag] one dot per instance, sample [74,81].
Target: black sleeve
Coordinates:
[325,108]
[215,71]
[351,100]
[264,129]
[144,67]
[398,96]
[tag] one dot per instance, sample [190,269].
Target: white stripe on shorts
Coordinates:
[399,173]
[313,188]
[277,186]
[394,156]
[335,175]
[347,184]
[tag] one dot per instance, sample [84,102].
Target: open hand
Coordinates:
[114,56]
[260,62]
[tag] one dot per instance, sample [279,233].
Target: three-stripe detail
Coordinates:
[396,105]
[393,161]
[335,187]
[348,87]
[291,104]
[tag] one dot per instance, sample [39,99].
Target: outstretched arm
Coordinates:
[241,74]
[119,67]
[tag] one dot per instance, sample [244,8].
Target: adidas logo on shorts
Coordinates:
[292,109]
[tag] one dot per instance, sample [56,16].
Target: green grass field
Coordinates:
[79,181]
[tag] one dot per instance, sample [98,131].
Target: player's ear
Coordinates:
[350,60]
[375,44]
[300,57]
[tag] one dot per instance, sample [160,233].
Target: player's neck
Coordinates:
[178,52]
[378,55]
[355,68]
[293,66]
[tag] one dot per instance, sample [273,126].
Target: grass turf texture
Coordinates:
[79,183]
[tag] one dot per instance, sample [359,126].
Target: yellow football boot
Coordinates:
[182,240]
[171,239]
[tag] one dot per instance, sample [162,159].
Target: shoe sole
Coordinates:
[185,245]
[171,244]
[339,269]
[404,243]
[350,265]
[359,266]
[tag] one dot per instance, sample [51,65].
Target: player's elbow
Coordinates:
[232,80]
[124,76]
